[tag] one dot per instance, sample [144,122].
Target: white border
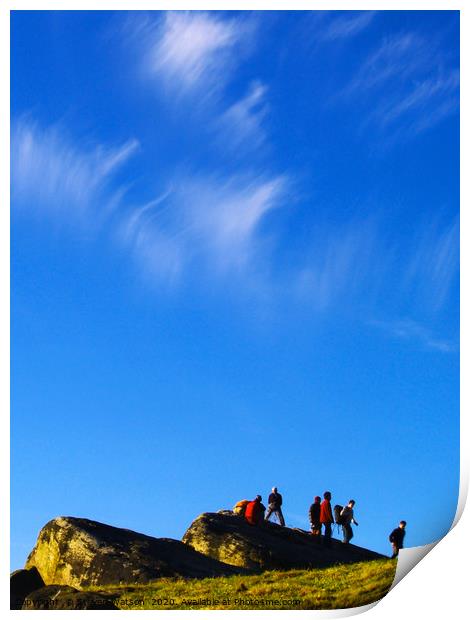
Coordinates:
[438,587]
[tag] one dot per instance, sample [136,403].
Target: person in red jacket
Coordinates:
[254,511]
[326,517]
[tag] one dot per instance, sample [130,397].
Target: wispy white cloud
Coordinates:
[411,86]
[434,115]
[346,25]
[192,51]
[207,222]
[360,264]
[48,171]
[434,264]
[144,231]
[227,216]
[212,218]
[159,256]
[340,264]
[212,221]
[398,56]
[192,57]
[214,224]
[423,94]
[240,126]
[408,329]
[412,111]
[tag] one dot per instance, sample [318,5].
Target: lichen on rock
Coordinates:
[231,539]
[80,552]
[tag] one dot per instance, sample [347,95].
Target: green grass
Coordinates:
[342,586]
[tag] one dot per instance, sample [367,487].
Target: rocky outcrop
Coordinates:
[230,539]
[79,553]
[22,583]
[65,597]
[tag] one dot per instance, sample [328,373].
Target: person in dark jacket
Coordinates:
[347,516]
[274,506]
[326,517]
[254,511]
[314,516]
[396,538]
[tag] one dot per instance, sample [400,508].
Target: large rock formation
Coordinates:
[79,552]
[230,539]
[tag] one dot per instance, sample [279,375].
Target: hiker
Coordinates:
[314,516]
[347,516]
[326,517]
[274,506]
[240,507]
[254,511]
[396,538]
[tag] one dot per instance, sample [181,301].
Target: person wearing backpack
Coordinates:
[314,516]
[254,511]
[396,538]
[240,507]
[326,517]
[274,506]
[347,516]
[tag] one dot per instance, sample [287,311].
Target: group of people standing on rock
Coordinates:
[254,511]
[320,515]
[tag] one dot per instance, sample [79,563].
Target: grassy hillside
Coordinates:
[346,585]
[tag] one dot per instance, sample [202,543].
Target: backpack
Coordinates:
[393,536]
[240,507]
[337,514]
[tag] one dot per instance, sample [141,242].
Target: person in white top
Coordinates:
[347,517]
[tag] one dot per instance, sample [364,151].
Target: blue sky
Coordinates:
[234,264]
